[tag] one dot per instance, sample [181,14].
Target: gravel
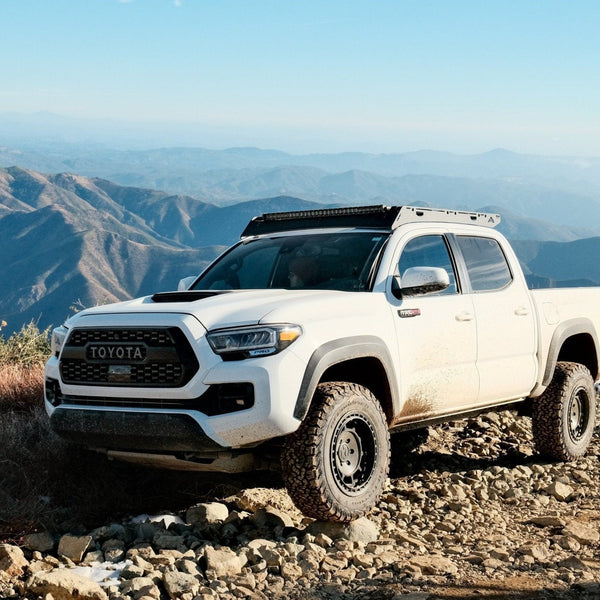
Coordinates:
[471,512]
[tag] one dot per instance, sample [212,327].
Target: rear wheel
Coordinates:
[336,464]
[563,416]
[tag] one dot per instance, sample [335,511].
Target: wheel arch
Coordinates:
[362,359]
[576,341]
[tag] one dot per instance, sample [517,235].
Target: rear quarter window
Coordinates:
[486,264]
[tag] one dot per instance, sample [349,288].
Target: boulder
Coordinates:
[223,562]
[74,546]
[434,565]
[141,587]
[177,584]
[42,542]
[584,534]
[63,584]
[561,491]
[362,530]
[206,514]
[12,560]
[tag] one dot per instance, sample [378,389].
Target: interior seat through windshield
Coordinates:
[336,261]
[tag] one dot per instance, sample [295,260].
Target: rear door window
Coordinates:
[486,264]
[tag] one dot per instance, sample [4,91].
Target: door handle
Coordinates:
[521,311]
[465,315]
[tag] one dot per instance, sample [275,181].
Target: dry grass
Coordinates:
[21,386]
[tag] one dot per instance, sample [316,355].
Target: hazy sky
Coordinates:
[325,75]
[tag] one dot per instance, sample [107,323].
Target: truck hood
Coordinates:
[229,309]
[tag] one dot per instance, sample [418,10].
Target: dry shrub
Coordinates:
[21,386]
[22,358]
[28,346]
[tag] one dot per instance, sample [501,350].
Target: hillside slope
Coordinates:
[51,265]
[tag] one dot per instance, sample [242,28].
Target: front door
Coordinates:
[437,337]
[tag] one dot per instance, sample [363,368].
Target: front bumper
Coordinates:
[111,430]
[149,419]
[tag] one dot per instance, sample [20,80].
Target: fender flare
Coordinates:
[338,351]
[562,333]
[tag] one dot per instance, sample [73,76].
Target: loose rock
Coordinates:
[222,562]
[206,514]
[12,560]
[362,530]
[63,584]
[74,547]
[42,542]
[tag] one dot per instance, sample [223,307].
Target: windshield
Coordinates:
[332,261]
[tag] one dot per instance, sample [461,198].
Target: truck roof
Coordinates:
[385,218]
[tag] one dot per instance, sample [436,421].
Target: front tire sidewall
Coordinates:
[308,463]
[360,500]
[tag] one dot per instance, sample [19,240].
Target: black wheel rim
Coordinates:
[353,454]
[578,414]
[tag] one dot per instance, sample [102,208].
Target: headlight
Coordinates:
[249,342]
[59,335]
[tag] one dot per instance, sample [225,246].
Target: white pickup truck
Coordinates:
[320,332]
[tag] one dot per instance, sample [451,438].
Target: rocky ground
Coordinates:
[470,513]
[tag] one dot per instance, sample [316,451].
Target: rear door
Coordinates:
[506,336]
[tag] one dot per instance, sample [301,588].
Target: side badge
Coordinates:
[407,313]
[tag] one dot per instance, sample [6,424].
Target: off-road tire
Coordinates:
[336,464]
[563,416]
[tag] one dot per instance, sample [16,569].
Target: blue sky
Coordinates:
[326,75]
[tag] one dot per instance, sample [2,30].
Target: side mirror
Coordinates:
[419,281]
[185,283]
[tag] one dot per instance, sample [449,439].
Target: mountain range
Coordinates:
[70,241]
[562,190]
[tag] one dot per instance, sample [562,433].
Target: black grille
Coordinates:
[167,359]
[151,337]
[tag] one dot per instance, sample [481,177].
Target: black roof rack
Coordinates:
[381,217]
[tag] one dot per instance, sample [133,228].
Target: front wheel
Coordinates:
[336,464]
[564,415]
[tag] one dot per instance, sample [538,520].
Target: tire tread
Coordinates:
[548,424]
[303,454]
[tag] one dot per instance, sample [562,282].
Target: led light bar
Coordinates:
[370,217]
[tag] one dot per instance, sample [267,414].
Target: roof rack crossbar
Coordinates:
[414,214]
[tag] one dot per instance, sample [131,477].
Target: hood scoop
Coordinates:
[186,296]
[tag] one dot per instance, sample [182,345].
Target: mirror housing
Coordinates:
[420,281]
[185,283]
